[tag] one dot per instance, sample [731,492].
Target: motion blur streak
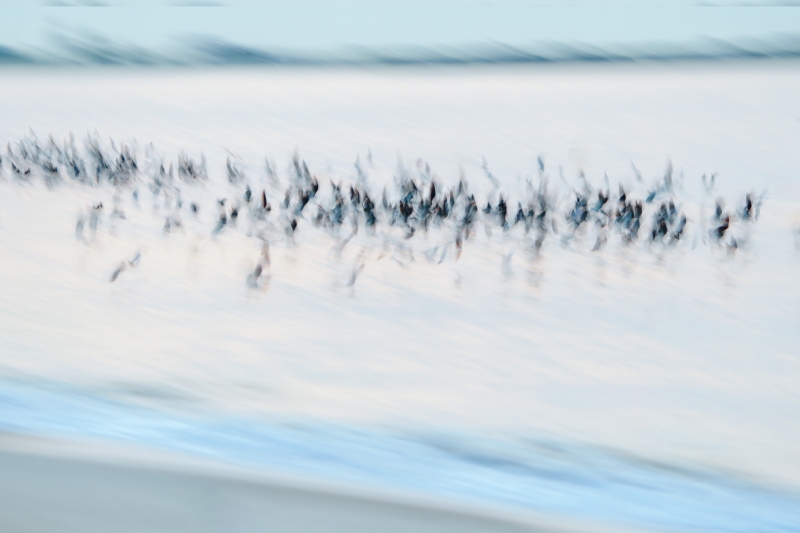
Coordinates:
[558,297]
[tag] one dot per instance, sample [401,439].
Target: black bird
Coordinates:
[720,230]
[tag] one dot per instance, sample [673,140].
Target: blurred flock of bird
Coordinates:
[417,206]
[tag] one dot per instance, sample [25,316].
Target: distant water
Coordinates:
[211,51]
[631,386]
[355,33]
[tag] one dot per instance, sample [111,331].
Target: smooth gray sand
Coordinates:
[49,486]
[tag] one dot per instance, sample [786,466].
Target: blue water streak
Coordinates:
[545,475]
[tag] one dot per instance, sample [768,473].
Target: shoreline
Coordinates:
[88,485]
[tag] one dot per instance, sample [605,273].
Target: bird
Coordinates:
[133,262]
[419,211]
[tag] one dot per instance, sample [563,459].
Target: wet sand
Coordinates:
[57,485]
